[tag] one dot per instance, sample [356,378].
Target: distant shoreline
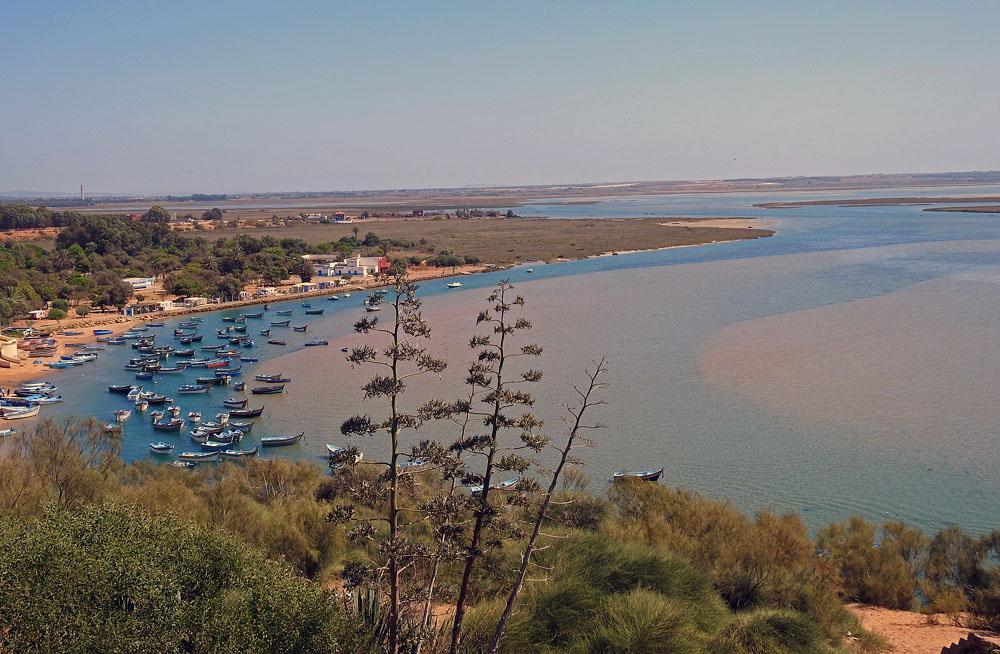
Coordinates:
[882,202]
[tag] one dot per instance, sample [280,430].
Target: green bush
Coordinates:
[643,621]
[82,310]
[771,632]
[56,314]
[114,579]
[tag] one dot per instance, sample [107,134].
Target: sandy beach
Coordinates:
[908,632]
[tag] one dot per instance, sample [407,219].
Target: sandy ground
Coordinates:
[725,223]
[911,633]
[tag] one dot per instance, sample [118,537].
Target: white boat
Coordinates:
[198,456]
[10,431]
[530,270]
[122,415]
[19,413]
[455,285]
[333,451]
[161,448]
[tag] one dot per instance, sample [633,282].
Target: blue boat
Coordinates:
[102,332]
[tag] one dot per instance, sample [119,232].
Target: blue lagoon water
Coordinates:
[842,366]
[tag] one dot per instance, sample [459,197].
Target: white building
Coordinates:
[140,283]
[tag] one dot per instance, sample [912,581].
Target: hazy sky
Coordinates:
[233,96]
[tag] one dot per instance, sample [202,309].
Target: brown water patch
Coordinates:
[915,369]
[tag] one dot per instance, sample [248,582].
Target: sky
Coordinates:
[225,97]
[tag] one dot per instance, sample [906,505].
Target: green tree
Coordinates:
[156,214]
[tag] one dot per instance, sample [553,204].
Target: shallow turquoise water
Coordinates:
[652,313]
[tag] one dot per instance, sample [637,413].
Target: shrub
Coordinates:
[114,579]
[82,310]
[644,621]
[771,632]
[56,314]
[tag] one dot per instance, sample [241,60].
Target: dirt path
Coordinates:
[910,633]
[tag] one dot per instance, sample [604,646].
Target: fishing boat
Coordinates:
[314,312]
[229,319]
[194,417]
[217,363]
[172,424]
[239,386]
[284,312]
[316,343]
[265,332]
[268,390]
[306,305]
[188,340]
[372,308]
[20,413]
[215,446]
[279,441]
[241,425]
[71,333]
[47,399]
[187,352]
[39,387]
[249,359]
[198,456]
[156,398]
[345,349]
[254,315]
[10,431]
[160,447]
[276,341]
[134,394]
[300,328]
[333,451]
[190,324]
[121,389]
[60,365]
[246,413]
[183,464]
[172,370]
[504,486]
[232,372]
[156,415]
[121,415]
[103,332]
[645,475]
[281,323]
[455,285]
[239,454]
[141,405]
[154,324]
[211,381]
[530,270]
[235,403]
[211,348]
[276,378]
[144,376]
[347,295]
[191,389]
[333,298]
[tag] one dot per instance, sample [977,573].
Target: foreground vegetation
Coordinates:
[92,548]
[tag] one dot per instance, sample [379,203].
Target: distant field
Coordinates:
[520,239]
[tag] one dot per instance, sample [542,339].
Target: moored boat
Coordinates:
[316,343]
[172,424]
[314,312]
[272,341]
[119,388]
[645,475]
[190,389]
[239,454]
[268,390]
[160,447]
[282,323]
[246,413]
[278,441]
[300,328]
[198,456]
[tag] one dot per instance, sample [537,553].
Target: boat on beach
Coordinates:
[276,341]
[300,328]
[316,343]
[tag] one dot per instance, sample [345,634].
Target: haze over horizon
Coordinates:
[185,98]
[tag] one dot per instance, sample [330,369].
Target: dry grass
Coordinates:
[519,239]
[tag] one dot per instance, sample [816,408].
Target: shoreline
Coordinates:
[119,324]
